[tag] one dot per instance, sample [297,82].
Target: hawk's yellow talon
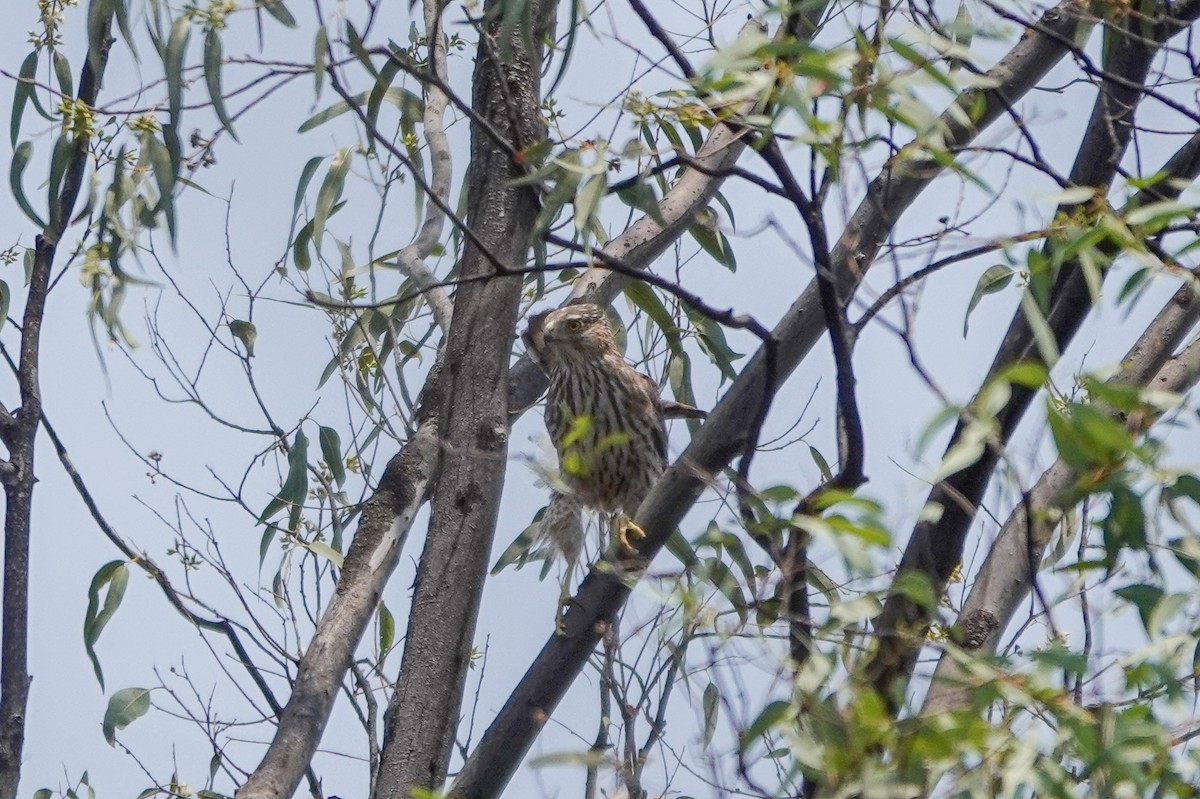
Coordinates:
[625,528]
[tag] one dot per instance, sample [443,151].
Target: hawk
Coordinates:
[606,420]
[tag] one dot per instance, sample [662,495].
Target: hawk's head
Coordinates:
[575,333]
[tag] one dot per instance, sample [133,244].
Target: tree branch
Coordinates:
[1008,572]
[724,434]
[383,527]
[935,547]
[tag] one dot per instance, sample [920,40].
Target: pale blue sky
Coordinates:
[260,174]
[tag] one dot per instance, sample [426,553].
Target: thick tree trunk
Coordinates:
[471,398]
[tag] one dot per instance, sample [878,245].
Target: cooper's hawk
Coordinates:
[606,421]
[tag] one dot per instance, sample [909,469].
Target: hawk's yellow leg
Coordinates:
[564,601]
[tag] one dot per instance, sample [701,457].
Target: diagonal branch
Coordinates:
[383,526]
[1005,578]
[729,424]
[935,547]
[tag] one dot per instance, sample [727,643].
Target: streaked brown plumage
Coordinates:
[605,418]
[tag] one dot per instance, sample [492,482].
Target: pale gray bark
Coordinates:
[1006,578]
[386,519]
[411,259]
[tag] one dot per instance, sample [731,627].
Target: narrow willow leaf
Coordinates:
[295,487]
[641,196]
[64,149]
[114,575]
[124,707]
[181,30]
[279,11]
[20,159]
[330,192]
[21,93]
[359,49]
[387,630]
[121,10]
[62,72]
[994,279]
[331,451]
[300,254]
[587,200]
[384,82]
[320,59]
[1042,334]
[768,717]
[164,177]
[712,707]
[325,551]
[212,78]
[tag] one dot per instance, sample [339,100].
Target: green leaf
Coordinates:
[711,702]
[181,30]
[711,337]
[20,160]
[1043,336]
[643,296]
[822,464]
[64,150]
[1124,527]
[115,575]
[325,551]
[768,718]
[994,279]
[212,78]
[320,59]
[124,707]
[244,332]
[164,167]
[713,242]
[387,630]
[354,39]
[295,486]
[121,11]
[306,176]
[62,72]
[721,576]
[330,192]
[279,11]
[5,302]
[331,451]
[641,196]
[23,90]
[587,200]
[1145,598]
[917,588]
[264,544]
[384,82]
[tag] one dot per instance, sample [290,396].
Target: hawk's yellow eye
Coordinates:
[575,324]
